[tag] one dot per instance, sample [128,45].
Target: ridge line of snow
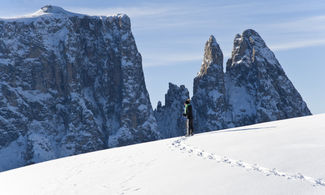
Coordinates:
[55,13]
[181,145]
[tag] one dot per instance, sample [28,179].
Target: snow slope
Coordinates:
[280,157]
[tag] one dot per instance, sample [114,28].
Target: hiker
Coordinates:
[189,116]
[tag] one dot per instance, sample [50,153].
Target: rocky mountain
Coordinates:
[258,89]
[209,93]
[169,117]
[69,84]
[254,88]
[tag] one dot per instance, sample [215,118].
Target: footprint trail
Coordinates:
[181,145]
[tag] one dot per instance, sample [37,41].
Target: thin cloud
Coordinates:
[271,7]
[308,24]
[298,44]
[168,59]
[140,11]
[298,33]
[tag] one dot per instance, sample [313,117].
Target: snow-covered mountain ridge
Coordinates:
[280,157]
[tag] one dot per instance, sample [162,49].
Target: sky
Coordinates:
[171,35]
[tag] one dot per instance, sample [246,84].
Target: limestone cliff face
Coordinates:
[69,84]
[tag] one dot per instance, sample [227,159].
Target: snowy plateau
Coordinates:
[279,157]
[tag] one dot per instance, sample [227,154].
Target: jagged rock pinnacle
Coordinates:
[209,90]
[169,117]
[213,56]
[257,86]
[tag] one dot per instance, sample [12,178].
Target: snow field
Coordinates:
[281,157]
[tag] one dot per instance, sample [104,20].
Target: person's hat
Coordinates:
[187,101]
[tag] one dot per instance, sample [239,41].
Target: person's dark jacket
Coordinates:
[188,111]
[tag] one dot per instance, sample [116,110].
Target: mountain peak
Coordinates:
[212,39]
[212,42]
[269,94]
[247,46]
[250,32]
[253,37]
[53,9]
[213,56]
